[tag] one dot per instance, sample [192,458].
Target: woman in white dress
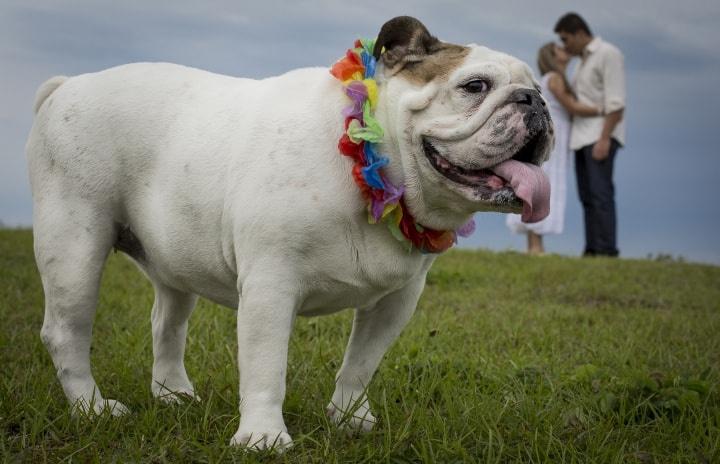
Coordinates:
[562,103]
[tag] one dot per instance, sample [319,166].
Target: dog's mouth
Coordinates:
[516,185]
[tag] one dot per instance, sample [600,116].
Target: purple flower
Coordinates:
[391,196]
[357,92]
[466,229]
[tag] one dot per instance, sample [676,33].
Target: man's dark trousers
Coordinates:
[597,195]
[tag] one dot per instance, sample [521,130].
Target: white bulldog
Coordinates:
[234,190]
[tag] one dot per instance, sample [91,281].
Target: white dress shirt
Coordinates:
[599,80]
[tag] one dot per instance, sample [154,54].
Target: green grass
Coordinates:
[509,358]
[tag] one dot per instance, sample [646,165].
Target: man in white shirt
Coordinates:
[600,81]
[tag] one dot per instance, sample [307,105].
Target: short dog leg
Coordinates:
[264,321]
[374,330]
[170,315]
[70,259]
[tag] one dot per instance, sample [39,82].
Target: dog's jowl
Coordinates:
[301,194]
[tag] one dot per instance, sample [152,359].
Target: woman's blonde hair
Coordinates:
[546,63]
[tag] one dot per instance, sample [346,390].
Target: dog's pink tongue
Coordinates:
[530,184]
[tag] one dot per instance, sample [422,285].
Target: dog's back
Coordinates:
[142,154]
[122,157]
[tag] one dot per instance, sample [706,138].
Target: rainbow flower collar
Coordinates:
[362,134]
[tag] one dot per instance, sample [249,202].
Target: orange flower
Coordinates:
[345,68]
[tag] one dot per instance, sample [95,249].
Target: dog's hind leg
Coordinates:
[170,315]
[72,241]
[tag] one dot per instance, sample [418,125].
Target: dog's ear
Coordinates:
[405,40]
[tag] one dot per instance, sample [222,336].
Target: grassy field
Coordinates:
[509,358]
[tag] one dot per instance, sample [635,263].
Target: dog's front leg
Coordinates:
[264,320]
[374,330]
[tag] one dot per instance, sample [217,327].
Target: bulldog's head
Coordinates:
[465,126]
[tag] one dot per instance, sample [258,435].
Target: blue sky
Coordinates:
[666,178]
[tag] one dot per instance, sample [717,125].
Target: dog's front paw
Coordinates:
[276,440]
[99,407]
[179,394]
[357,420]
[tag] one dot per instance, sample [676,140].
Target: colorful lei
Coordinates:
[362,134]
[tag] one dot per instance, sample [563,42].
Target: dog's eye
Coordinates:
[476,86]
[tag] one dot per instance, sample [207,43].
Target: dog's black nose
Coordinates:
[530,102]
[532,105]
[524,97]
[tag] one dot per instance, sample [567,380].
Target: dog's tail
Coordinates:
[48,87]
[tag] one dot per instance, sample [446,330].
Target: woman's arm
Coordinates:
[567,100]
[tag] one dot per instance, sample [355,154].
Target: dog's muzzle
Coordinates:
[537,121]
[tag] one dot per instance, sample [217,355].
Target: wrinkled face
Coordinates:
[471,129]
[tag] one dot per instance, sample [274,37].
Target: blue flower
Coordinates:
[369,62]
[371,172]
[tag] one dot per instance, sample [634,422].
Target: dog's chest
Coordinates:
[361,274]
